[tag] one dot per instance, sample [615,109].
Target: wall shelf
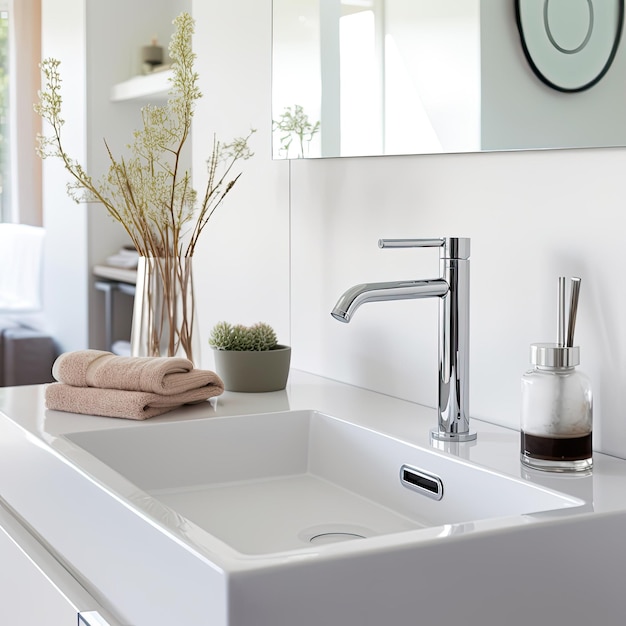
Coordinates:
[149,88]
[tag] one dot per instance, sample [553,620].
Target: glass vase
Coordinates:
[164,316]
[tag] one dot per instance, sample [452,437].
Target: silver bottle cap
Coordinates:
[554,355]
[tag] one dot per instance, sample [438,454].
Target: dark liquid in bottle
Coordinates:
[557,449]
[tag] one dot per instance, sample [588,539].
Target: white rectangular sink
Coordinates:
[297,518]
[275,483]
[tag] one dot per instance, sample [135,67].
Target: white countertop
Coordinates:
[120,553]
[496,447]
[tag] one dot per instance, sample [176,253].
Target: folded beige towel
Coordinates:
[105,370]
[134,405]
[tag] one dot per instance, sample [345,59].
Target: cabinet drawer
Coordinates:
[35,589]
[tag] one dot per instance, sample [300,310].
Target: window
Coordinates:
[20,167]
[5,174]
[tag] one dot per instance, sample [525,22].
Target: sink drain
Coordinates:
[324,538]
[333,533]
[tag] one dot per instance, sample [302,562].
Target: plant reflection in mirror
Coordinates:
[293,124]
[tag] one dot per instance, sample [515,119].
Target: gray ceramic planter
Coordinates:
[253,371]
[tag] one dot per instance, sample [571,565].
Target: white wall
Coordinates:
[65,292]
[241,265]
[532,216]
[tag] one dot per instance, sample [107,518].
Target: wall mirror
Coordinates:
[375,77]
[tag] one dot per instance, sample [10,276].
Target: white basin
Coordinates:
[256,521]
[275,483]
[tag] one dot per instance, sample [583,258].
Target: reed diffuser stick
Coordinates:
[560,320]
[573,310]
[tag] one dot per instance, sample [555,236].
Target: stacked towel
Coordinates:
[135,405]
[96,382]
[163,375]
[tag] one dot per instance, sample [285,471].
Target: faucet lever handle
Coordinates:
[410,243]
[453,247]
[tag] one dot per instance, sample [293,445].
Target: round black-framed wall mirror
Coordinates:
[570,44]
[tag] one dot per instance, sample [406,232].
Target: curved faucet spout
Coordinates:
[354,297]
[452,289]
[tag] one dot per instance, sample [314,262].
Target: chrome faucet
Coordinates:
[452,289]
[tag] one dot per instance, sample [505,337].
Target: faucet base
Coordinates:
[440,435]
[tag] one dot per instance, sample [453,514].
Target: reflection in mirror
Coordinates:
[373,77]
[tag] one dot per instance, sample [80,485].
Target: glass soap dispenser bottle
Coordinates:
[557,401]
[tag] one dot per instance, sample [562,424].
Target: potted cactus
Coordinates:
[249,358]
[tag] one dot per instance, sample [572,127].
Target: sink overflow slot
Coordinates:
[427,484]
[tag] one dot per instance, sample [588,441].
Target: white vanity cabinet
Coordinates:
[35,590]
